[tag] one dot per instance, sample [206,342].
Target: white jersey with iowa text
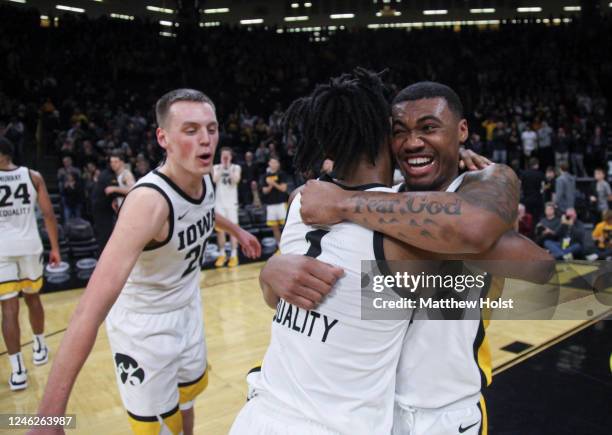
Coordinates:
[327,364]
[18,199]
[443,362]
[167,276]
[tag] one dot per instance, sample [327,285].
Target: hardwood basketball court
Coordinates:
[237,331]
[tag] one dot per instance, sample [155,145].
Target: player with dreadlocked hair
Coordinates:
[328,371]
[341,120]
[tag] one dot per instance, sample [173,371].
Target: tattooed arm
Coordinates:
[470,220]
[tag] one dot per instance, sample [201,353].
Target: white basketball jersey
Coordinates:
[443,361]
[167,276]
[18,199]
[327,364]
[226,190]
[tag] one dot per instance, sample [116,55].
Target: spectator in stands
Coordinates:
[565,189]
[529,139]
[67,168]
[514,143]
[567,242]
[577,153]
[499,144]
[143,166]
[476,144]
[250,175]
[274,190]
[489,126]
[603,193]
[602,235]
[561,146]
[548,189]
[125,178]
[547,226]
[532,183]
[597,145]
[524,222]
[103,206]
[545,133]
[72,196]
[262,154]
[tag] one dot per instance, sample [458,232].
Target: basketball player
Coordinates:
[226,177]
[125,178]
[439,378]
[308,383]
[275,196]
[154,319]
[336,376]
[21,268]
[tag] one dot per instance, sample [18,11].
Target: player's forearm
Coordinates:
[51,227]
[226,225]
[270,298]
[434,221]
[514,256]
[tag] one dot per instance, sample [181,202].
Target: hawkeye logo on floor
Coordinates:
[128,369]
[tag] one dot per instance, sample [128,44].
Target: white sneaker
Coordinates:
[592,257]
[18,380]
[40,356]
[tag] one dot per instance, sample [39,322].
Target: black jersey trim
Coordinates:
[178,190]
[254,370]
[342,186]
[478,341]
[379,249]
[195,381]
[10,170]
[155,244]
[153,418]
[480,429]
[32,180]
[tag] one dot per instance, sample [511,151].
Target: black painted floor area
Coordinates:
[565,389]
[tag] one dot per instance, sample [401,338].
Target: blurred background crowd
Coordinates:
[76,101]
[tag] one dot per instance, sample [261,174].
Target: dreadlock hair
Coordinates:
[342,120]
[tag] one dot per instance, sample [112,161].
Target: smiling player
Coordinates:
[147,280]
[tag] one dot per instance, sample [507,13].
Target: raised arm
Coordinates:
[142,219]
[48,215]
[470,220]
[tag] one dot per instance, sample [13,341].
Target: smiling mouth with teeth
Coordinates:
[419,161]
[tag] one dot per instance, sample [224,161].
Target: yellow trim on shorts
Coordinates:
[484,425]
[144,427]
[275,223]
[31,286]
[150,425]
[9,287]
[188,391]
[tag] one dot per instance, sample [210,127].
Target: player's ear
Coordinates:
[161,138]
[463,131]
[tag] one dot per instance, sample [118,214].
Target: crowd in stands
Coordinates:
[535,97]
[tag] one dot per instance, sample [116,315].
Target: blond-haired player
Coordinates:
[147,280]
